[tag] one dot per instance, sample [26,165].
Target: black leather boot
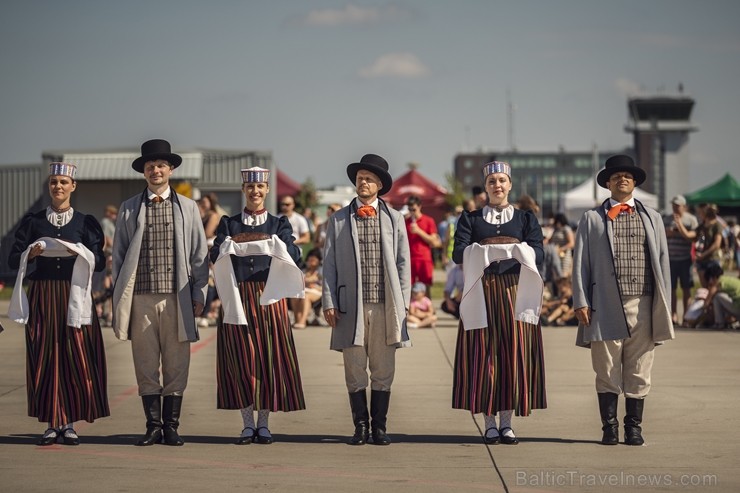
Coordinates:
[632,421]
[360,417]
[171,413]
[610,423]
[379,402]
[153,412]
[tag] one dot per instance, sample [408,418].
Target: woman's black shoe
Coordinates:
[49,438]
[69,437]
[508,440]
[491,440]
[262,439]
[246,439]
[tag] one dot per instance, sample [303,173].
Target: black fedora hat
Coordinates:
[374,164]
[154,149]
[617,163]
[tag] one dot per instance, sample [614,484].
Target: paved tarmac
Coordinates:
[691,428]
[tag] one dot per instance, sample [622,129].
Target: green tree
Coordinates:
[455,192]
[306,196]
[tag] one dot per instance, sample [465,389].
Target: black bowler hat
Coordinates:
[374,164]
[617,163]
[151,150]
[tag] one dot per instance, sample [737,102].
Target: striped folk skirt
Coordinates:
[66,374]
[502,366]
[257,363]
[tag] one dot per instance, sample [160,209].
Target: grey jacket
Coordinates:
[191,265]
[342,289]
[595,284]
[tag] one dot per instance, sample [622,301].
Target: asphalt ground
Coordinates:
[690,426]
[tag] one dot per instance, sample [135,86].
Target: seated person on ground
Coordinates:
[312,274]
[453,291]
[421,310]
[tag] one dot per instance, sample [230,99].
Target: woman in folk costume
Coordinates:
[499,362]
[65,362]
[257,366]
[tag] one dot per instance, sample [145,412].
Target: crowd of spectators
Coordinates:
[698,244]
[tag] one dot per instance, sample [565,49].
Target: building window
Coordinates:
[468,163]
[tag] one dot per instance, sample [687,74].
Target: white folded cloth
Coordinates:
[285,279]
[79,308]
[476,258]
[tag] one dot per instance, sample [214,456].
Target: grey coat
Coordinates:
[595,284]
[342,289]
[191,265]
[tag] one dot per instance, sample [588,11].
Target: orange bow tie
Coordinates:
[157,199]
[366,211]
[614,211]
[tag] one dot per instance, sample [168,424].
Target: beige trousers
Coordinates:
[625,365]
[154,339]
[380,356]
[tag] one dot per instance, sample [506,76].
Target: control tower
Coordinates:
[660,125]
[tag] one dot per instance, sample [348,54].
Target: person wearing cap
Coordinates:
[366,294]
[257,365]
[679,227]
[160,280]
[621,295]
[60,351]
[499,362]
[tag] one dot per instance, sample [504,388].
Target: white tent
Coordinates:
[578,200]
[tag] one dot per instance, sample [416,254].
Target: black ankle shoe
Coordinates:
[71,439]
[246,439]
[153,436]
[493,440]
[49,438]
[508,440]
[264,439]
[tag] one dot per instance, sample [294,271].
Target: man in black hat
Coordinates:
[366,294]
[621,294]
[160,276]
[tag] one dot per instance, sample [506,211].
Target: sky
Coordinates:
[322,82]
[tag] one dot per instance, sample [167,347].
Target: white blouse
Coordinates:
[496,215]
[59,219]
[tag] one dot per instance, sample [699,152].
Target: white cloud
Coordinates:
[352,15]
[626,87]
[399,65]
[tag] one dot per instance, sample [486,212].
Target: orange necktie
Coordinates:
[614,211]
[366,211]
